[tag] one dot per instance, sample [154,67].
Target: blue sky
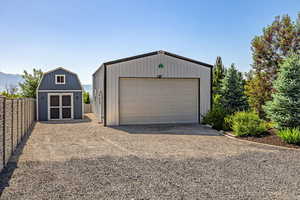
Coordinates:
[80,35]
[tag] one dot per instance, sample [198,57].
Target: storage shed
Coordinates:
[153,88]
[59,96]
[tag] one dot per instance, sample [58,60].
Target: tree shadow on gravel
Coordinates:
[12,164]
[249,175]
[168,129]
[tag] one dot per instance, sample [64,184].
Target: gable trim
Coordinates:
[58,68]
[151,54]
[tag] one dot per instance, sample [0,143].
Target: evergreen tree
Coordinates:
[31,82]
[232,91]
[284,109]
[218,75]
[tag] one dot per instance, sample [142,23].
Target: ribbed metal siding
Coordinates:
[98,91]
[148,67]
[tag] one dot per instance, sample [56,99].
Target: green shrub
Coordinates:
[291,136]
[86,98]
[215,117]
[228,122]
[247,123]
[271,125]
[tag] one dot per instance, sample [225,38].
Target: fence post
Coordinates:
[29,101]
[4,124]
[24,120]
[27,115]
[17,110]
[12,126]
[22,125]
[27,104]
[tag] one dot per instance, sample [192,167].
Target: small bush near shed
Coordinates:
[86,98]
[247,124]
[215,118]
[291,136]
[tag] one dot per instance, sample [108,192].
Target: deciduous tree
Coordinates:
[30,84]
[278,40]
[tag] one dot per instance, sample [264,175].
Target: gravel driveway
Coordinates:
[85,160]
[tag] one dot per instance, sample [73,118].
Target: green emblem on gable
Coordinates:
[161,66]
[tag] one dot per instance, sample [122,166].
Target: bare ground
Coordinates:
[84,160]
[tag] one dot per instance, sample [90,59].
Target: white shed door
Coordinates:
[157,101]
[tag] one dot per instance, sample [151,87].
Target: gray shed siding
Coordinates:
[43,105]
[48,81]
[47,85]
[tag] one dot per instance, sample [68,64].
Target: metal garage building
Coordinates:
[153,88]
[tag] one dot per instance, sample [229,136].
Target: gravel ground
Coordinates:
[85,160]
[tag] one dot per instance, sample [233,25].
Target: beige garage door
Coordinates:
[156,101]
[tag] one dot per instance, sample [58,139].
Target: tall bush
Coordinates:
[232,91]
[218,75]
[215,117]
[86,97]
[284,109]
[256,89]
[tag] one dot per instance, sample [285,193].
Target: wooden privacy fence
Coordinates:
[87,108]
[17,117]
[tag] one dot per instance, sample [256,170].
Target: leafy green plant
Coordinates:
[31,82]
[291,136]
[86,98]
[11,96]
[268,50]
[215,117]
[247,124]
[228,122]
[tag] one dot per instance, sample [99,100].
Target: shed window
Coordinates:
[60,79]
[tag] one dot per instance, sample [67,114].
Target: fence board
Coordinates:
[17,117]
[2,132]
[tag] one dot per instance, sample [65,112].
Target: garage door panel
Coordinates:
[152,101]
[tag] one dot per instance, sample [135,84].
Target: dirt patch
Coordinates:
[270,137]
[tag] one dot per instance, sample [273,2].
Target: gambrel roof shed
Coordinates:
[59,96]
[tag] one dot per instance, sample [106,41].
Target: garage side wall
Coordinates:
[98,93]
[148,67]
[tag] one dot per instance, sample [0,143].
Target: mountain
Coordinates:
[88,88]
[8,80]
